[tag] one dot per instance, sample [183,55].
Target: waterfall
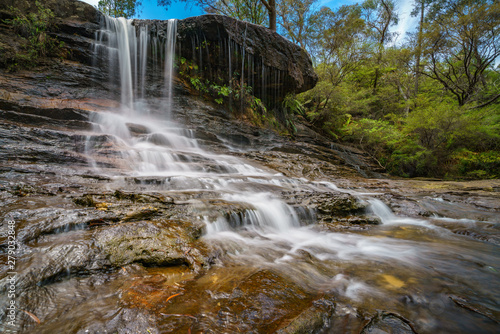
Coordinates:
[126,44]
[388,217]
[143,43]
[169,62]
[166,149]
[128,50]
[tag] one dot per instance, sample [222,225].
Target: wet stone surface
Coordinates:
[204,223]
[136,248]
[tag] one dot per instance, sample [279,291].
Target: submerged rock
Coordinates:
[385,322]
[312,320]
[152,243]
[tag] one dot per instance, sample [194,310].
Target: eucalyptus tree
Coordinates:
[119,8]
[299,21]
[420,9]
[462,42]
[341,46]
[379,16]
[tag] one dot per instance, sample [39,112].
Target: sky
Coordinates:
[179,10]
[149,10]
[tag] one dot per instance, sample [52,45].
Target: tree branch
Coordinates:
[486,103]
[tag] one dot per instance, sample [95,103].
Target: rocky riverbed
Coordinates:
[111,251]
[199,222]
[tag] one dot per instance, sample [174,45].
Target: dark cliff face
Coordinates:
[224,48]
[256,50]
[63,9]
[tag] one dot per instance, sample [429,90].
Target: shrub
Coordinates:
[484,165]
[33,28]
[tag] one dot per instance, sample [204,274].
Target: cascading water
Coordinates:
[169,61]
[264,231]
[166,149]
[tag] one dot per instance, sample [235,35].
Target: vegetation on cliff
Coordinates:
[427,105]
[32,28]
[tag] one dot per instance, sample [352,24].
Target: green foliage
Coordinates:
[427,107]
[438,140]
[461,43]
[292,105]
[33,28]
[119,8]
[473,165]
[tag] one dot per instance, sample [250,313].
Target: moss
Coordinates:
[86,200]
[32,31]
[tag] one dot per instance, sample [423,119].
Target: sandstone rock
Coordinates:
[151,243]
[265,46]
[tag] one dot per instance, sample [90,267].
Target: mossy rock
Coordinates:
[153,243]
[86,200]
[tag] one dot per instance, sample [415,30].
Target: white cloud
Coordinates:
[406,22]
[92,2]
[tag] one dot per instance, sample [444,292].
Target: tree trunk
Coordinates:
[271,10]
[419,46]
[272,15]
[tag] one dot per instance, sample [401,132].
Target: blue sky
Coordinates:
[149,10]
[179,10]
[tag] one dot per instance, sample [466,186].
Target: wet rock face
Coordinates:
[221,46]
[63,9]
[215,41]
[75,24]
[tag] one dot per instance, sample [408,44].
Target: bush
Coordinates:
[395,150]
[473,165]
[33,28]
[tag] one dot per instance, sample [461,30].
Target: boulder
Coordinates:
[231,52]
[253,48]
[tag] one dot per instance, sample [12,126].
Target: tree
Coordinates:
[401,73]
[119,8]
[379,16]
[462,43]
[419,9]
[246,10]
[341,47]
[299,20]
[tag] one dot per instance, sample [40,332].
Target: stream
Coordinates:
[159,231]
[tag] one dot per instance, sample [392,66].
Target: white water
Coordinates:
[388,217]
[269,231]
[169,62]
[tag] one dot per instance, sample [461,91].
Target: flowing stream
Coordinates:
[403,254]
[416,268]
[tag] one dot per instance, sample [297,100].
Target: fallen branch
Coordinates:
[32,316]
[172,297]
